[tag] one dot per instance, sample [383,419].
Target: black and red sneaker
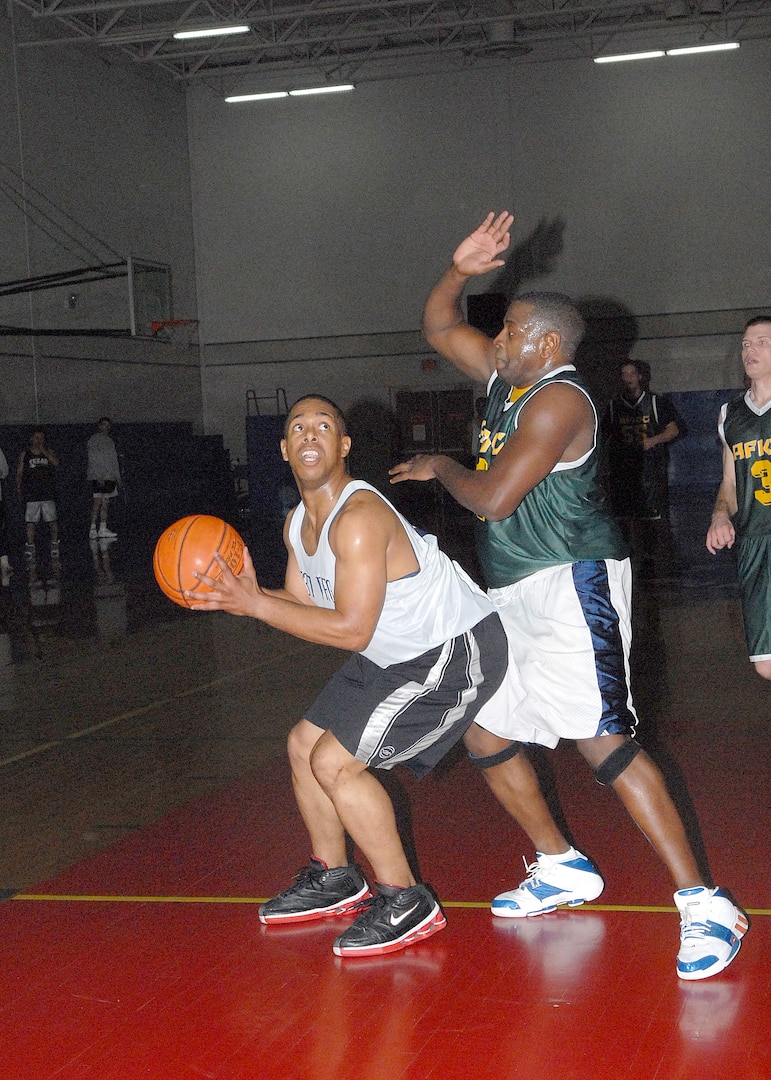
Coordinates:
[395,919]
[317,893]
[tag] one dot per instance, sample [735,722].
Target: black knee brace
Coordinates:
[489,761]
[617,760]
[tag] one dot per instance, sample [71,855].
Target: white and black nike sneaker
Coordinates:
[395,919]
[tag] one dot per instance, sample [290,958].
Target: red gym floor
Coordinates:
[143,957]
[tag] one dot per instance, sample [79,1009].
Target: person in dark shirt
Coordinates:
[36,485]
[637,428]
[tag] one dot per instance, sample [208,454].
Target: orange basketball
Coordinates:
[188,547]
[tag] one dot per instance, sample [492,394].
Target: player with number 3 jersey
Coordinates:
[742,513]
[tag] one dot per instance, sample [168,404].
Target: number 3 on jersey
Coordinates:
[761,470]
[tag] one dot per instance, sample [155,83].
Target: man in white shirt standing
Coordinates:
[104,475]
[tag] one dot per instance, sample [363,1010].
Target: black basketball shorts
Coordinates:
[413,712]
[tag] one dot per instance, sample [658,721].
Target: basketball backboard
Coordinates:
[149,285]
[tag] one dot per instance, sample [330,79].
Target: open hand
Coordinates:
[418,468]
[479,252]
[238,595]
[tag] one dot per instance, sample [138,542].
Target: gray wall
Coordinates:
[320,224]
[305,233]
[99,149]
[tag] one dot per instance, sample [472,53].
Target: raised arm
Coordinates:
[444,325]
[721,533]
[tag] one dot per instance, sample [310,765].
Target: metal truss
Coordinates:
[291,44]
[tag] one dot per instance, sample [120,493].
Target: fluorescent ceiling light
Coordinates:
[213,31]
[703,48]
[258,97]
[268,95]
[628,56]
[321,90]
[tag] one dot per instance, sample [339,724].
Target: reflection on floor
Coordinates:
[147,808]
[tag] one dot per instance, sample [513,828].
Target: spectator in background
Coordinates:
[637,427]
[104,474]
[36,485]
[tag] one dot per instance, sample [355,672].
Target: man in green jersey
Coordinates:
[742,511]
[559,576]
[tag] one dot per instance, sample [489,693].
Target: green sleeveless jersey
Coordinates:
[564,519]
[747,434]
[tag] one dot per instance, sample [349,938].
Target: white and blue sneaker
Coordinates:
[551,880]
[711,932]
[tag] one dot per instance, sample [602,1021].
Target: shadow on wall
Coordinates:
[533,258]
[611,332]
[374,443]
[611,329]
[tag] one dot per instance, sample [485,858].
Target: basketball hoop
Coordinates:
[180,332]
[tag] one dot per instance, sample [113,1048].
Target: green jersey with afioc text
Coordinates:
[746,431]
[564,518]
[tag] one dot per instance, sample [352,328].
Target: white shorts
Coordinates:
[569,634]
[40,511]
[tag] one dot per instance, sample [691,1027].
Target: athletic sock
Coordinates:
[565,856]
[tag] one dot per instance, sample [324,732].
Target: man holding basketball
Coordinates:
[560,578]
[429,652]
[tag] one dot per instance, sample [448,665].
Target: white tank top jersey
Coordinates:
[420,612]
